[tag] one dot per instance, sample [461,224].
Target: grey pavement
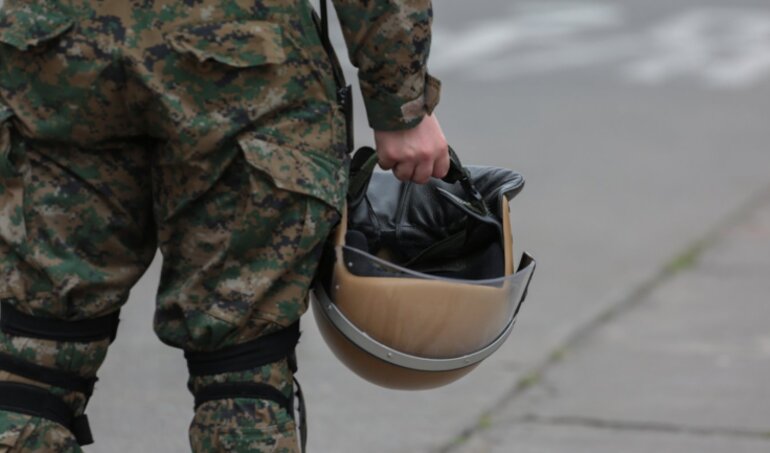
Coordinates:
[685,369]
[642,128]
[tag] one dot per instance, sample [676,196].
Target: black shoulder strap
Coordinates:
[344,91]
[339,77]
[325,23]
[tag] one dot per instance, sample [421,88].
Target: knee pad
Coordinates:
[37,401]
[253,354]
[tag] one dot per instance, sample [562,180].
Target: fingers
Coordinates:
[430,163]
[441,166]
[423,172]
[416,166]
[385,161]
[404,171]
[414,154]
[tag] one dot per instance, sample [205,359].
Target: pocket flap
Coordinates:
[308,173]
[25,26]
[239,44]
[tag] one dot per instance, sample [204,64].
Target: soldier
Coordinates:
[210,129]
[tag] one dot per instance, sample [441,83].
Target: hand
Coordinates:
[414,154]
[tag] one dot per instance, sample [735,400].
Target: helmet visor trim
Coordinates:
[326,307]
[359,262]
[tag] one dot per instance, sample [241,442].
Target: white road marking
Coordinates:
[720,47]
[534,24]
[565,56]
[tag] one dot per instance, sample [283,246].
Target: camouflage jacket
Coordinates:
[389,42]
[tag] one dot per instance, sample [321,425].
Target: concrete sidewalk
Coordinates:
[684,368]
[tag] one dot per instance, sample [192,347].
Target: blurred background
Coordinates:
[642,128]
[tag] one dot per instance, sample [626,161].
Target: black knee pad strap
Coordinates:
[57,378]
[35,401]
[243,390]
[262,351]
[38,402]
[14,322]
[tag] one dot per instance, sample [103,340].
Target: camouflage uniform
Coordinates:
[207,128]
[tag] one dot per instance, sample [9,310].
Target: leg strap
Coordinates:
[262,351]
[243,390]
[302,422]
[14,322]
[45,375]
[35,401]
[38,402]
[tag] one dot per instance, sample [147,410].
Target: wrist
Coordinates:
[388,111]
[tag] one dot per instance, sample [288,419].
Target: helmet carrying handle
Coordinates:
[365,160]
[458,173]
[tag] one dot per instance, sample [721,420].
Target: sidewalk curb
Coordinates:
[680,262]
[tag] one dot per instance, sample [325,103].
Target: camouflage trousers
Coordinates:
[208,129]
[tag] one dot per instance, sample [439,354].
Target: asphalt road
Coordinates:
[638,125]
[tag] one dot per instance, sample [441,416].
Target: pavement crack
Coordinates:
[682,261]
[648,426]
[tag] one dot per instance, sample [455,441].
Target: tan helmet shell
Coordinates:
[417,333]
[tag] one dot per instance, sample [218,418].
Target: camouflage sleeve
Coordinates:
[389,42]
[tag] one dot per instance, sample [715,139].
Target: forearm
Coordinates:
[389,42]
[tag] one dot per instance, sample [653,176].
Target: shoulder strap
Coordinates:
[325,21]
[344,91]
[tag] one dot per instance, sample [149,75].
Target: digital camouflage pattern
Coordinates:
[245,424]
[389,42]
[207,128]
[23,433]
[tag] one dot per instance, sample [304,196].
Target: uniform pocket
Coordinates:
[28,25]
[293,201]
[238,44]
[306,172]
